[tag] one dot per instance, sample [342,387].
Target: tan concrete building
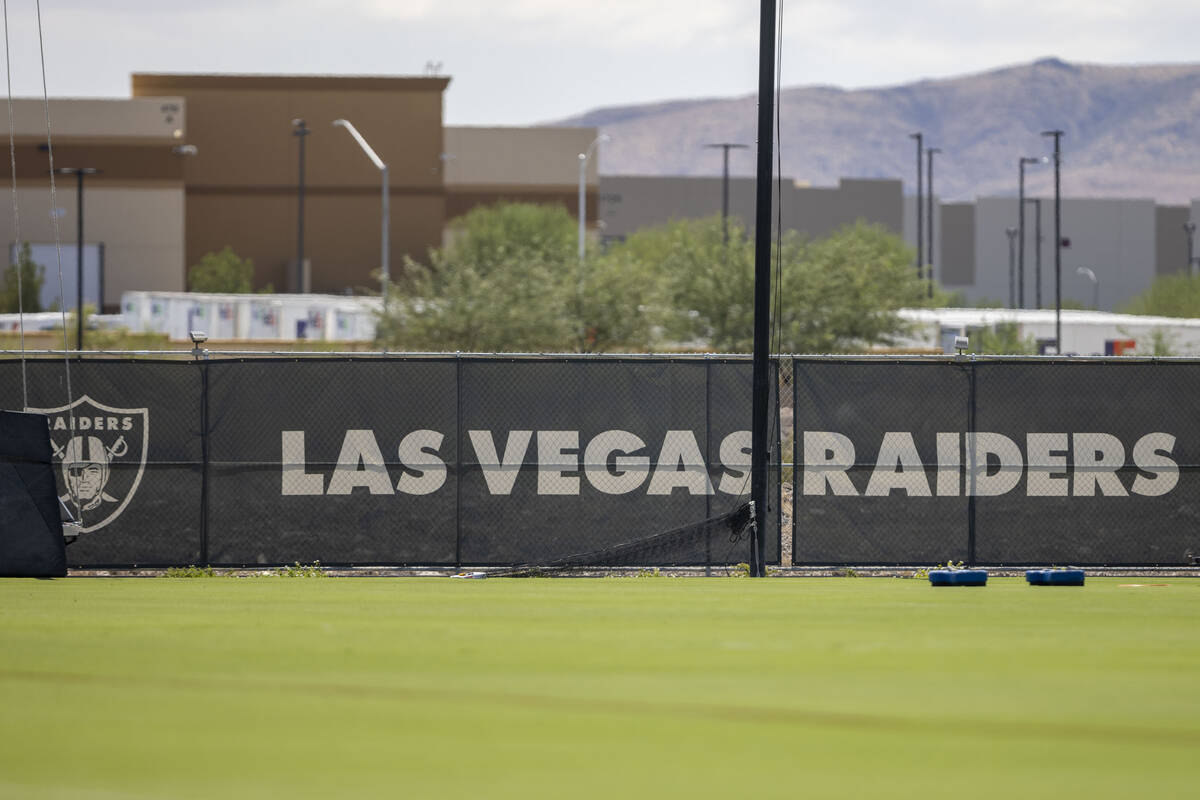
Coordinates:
[133,206]
[242,186]
[533,165]
[194,163]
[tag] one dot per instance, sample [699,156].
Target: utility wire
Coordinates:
[12,161]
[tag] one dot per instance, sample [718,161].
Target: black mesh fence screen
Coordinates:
[133,446]
[438,461]
[994,462]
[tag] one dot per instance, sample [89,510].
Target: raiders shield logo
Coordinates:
[101,453]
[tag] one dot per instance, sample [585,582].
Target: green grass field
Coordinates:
[384,687]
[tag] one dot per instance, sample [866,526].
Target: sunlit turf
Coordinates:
[383,687]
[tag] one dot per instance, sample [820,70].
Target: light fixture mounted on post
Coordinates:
[920,220]
[383,170]
[1021,162]
[583,160]
[725,147]
[1091,276]
[1058,240]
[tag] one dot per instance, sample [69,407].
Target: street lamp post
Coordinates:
[1091,276]
[1057,134]
[726,147]
[1037,250]
[920,222]
[929,164]
[79,172]
[583,159]
[385,217]
[300,130]
[1012,266]
[1189,228]
[1021,162]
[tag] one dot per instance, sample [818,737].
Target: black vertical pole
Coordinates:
[920,219]
[459,471]
[300,130]
[1189,228]
[972,450]
[725,147]
[1057,134]
[929,152]
[796,467]
[204,461]
[725,195]
[1012,266]
[1021,232]
[1037,250]
[762,279]
[708,455]
[79,260]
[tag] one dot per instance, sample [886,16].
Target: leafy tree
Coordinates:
[836,294]
[509,280]
[1003,339]
[224,272]
[29,276]
[1175,295]
[495,233]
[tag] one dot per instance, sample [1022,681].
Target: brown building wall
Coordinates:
[242,186]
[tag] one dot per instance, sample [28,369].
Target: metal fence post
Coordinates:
[707,457]
[204,556]
[971,466]
[458,463]
[795,466]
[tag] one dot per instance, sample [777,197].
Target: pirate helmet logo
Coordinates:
[85,469]
[102,460]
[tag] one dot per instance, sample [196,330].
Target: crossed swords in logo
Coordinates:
[118,449]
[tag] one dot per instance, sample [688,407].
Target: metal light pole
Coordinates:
[300,130]
[1021,162]
[929,164]
[1190,229]
[1057,134]
[1091,276]
[583,159]
[920,222]
[1012,266]
[1037,249]
[385,219]
[79,172]
[726,147]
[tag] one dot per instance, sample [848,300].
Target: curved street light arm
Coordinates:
[375,159]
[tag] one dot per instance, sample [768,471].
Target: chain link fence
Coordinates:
[995,461]
[417,460]
[498,460]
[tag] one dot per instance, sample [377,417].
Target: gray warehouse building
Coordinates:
[1124,243]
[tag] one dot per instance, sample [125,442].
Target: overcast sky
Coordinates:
[518,62]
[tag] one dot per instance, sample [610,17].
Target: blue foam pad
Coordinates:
[958,577]
[1054,577]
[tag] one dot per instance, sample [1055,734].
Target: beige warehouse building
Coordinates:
[194,163]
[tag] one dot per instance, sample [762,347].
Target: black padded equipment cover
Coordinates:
[31,537]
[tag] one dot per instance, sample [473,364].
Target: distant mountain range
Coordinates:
[1130,131]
